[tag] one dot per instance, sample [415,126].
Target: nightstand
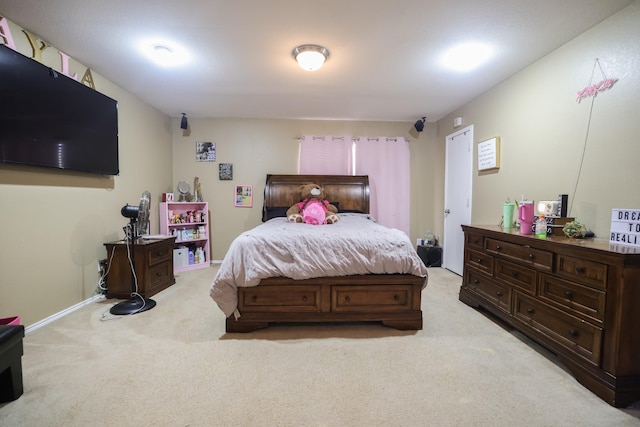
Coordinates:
[430,255]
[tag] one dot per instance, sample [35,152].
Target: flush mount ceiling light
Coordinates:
[164,53]
[466,57]
[310,57]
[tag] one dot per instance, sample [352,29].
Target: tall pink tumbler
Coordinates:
[526,216]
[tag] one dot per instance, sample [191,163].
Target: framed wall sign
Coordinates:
[244,196]
[625,227]
[489,154]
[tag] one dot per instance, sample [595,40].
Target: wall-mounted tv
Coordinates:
[50,120]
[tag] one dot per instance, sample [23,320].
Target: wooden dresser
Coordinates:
[580,298]
[154,267]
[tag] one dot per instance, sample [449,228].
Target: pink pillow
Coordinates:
[314,214]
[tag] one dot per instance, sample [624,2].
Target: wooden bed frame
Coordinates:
[392,299]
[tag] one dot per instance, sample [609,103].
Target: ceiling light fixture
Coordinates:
[310,57]
[466,57]
[166,54]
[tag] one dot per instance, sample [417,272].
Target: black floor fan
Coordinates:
[138,222]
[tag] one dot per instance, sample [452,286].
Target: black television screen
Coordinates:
[48,119]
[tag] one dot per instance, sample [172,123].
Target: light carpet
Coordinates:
[175,366]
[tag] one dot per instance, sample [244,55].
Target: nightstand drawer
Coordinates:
[587,272]
[523,253]
[583,300]
[489,289]
[576,335]
[160,254]
[160,276]
[516,275]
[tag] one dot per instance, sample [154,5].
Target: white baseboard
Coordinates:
[61,314]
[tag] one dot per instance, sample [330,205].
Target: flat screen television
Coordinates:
[50,120]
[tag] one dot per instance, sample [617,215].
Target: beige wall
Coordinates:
[543,129]
[55,223]
[258,147]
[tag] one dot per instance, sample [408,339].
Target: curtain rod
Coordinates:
[354,138]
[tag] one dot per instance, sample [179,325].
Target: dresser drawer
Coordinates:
[584,301]
[382,298]
[516,275]
[479,260]
[474,240]
[494,292]
[586,272]
[300,298]
[523,253]
[576,335]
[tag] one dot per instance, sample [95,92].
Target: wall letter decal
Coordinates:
[64,66]
[36,51]
[87,79]
[5,33]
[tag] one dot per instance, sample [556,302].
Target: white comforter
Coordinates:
[278,248]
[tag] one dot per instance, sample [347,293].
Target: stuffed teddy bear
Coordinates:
[313,209]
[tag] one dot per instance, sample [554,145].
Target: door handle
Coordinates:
[447,211]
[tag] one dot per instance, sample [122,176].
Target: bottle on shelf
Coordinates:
[541,227]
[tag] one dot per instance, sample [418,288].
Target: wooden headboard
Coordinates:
[350,192]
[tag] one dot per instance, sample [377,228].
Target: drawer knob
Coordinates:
[531,256]
[498,293]
[254,298]
[530,310]
[347,299]
[580,270]
[304,298]
[515,274]
[479,261]
[498,247]
[396,297]
[476,281]
[568,295]
[573,333]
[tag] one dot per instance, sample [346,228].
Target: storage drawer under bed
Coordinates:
[283,298]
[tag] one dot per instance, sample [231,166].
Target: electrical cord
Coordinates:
[102,282]
[134,293]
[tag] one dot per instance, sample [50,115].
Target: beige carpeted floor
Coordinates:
[175,366]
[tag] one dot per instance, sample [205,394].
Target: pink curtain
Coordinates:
[386,161]
[325,155]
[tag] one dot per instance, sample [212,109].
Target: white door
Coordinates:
[457,196]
